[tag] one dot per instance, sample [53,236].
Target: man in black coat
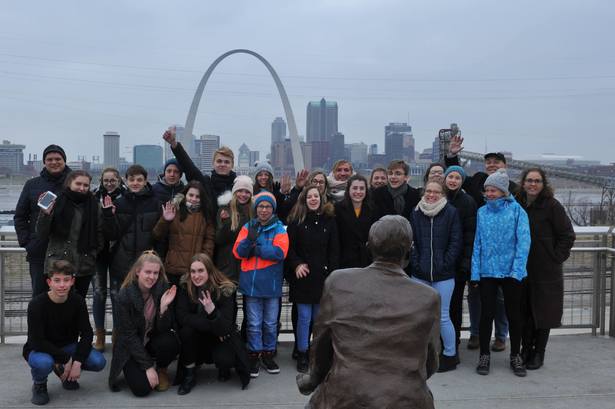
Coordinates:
[474,186]
[26,212]
[169,183]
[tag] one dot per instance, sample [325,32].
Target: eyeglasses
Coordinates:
[436,172]
[318,182]
[533,181]
[433,192]
[264,206]
[110,181]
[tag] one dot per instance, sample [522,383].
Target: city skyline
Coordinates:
[537,86]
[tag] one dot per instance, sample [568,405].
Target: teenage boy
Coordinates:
[262,245]
[59,334]
[170,182]
[222,175]
[474,186]
[340,173]
[397,197]
[131,221]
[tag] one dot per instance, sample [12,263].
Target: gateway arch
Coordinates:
[290,118]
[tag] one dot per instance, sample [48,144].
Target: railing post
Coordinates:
[596,295]
[612,301]
[2,298]
[602,272]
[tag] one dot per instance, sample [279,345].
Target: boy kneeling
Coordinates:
[59,334]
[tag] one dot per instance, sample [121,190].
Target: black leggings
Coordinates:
[164,348]
[456,308]
[204,347]
[513,294]
[82,283]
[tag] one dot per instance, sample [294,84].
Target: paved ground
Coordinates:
[579,372]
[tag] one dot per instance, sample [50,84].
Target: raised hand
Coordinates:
[108,203]
[285,186]
[456,145]
[168,211]
[167,298]
[207,302]
[224,214]
[302,270]
[302,178]
[169,137]
[48,210]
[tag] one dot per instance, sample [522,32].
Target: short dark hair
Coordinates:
[60,267]
[135,170]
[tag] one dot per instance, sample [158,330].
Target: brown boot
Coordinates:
[99,342]
[163,380]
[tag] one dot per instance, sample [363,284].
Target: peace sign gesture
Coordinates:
[168,211]
[207,302]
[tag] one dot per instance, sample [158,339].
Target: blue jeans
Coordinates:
[262,316]
[306,313]
[501,322]
[41,363]
[447,330]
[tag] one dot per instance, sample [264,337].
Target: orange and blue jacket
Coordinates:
[262,260]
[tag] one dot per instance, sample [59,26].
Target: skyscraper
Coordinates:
[111,149]
[321,121]
[244,156]
[337,147]
[398,142]
[148,156]
[11,156]
[205,147]
[278,130]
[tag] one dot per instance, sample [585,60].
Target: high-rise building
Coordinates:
[373,149]
[321,121]
[205,148]
[337,147]
[111,143]
[321,153]
[11,157]
[150,157]
[254,157]
[244,156]
[398,141]
[187,141]
[278,130]
[358,154]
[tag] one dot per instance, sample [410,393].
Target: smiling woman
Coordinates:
[144,327]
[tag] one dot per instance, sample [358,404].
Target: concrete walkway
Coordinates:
[579,373]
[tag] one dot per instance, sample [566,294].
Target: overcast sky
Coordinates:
[525,76]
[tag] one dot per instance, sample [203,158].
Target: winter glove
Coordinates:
[253,232]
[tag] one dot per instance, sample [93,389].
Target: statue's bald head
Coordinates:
[390,239]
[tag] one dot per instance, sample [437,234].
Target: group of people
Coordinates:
[173,258]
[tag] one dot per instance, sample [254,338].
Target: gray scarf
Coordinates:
[399,197]
[432,209]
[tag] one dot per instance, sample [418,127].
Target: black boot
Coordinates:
[536,361]
[303,362]
[188,382]
[224,374]
[39,394]
[447,363]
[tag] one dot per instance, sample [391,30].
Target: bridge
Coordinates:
[554,171]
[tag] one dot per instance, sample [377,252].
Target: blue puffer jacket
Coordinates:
[437,244]
[502,241]
[262,260]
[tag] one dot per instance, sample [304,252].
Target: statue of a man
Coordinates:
[377,335]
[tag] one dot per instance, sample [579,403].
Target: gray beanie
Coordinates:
[499,179]
[261,166]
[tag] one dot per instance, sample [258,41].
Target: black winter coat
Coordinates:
[383,202]
[315,242]
[103,256]
[466,208]
[224,241]
[474,185]
[130,328]
[26,212]
[164,192]
[552,238]
[437,244]
[192,314]
[353,232]
[131,228]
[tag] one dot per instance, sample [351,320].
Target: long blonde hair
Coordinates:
[217,282]
[148,256]
[300,209]
[236,211]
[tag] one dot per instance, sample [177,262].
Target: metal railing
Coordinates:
[588,284]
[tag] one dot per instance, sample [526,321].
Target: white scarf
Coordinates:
[431,209]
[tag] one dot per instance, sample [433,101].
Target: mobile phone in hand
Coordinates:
[46,200]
